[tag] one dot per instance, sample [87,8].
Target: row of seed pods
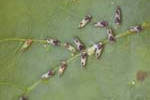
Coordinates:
[95,49]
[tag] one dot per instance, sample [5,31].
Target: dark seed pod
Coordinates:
[79,44]
[118,16]
[62,68]
[53,42]
[99,48]
[85,21]
[101,24]
[111,36]
[83,59]
[135,29]
[49,74]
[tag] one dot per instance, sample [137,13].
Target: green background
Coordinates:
[108,78]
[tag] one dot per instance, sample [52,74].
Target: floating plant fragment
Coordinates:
[99,49]
[47,75]
[26,44]
[135,29]
[69,47]
[62,68]
[111,36]
[79,44]
[118,16]
[53,42]
[85,21]
[83,59]
[101,24]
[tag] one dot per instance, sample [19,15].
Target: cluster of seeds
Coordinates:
[96,49]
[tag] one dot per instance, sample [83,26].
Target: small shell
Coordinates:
[118,16]
[79,44]
[85,21]
[26,44]
[69,47]
[53,42]
[111,36]
[101,24]
[99,48]
[23,98]
[62,68]
[135,29]
[47,75]
[83,59]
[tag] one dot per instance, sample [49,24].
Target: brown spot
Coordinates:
[81,47]
[117,20]
[51,72]
[104,23]
[88,18]
[29,41]
[84,55]
[141,75]
[56,42]
[112,39]
[139,28]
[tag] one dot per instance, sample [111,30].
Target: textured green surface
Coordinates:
[105,79]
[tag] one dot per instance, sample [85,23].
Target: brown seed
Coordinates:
[141,75]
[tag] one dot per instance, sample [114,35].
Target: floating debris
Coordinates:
[99,49]
[53,42]
[111,36]
[118,16]
[49,74]
[23,98]
[101,24]
[85,21]
[83,59]
[26,44]
[69,47]
[62,68]
[79,44]
[135,29]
